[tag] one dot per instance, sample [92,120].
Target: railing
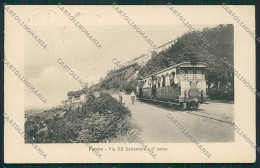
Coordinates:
[168,92]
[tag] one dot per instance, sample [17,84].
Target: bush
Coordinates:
[98,120]
[103,121]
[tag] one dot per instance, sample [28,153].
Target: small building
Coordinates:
[66,102]
[77,98]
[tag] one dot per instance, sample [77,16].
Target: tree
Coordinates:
[70,93]
[190,48]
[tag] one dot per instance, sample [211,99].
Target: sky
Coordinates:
[119,41]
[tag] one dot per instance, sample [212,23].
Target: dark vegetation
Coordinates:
[123,78]
[98,120]
[188,47]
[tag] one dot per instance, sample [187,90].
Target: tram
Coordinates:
[183,84]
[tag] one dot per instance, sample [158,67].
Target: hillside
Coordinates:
[100,119]
[188,47]
[122,78]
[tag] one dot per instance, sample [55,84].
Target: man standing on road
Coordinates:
[120,94]
[133,97]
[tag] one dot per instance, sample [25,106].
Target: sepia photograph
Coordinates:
[183,80]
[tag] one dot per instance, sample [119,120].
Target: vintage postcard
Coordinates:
[130,84]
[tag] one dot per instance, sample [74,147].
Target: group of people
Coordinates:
[120,94]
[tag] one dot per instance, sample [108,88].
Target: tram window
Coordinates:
[150,83]
[199,74]
[163,81]
[190,74]
[159,81]
[172,77]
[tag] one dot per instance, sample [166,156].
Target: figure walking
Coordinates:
[133,97]
[120,94]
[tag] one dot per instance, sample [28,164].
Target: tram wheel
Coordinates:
[195,107]
[181,107]
[188,106]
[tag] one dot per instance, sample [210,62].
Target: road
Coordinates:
[206,124]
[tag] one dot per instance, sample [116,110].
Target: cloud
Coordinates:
[53,83]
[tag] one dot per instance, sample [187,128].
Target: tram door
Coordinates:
[141,92]
[154,90]
[153,86]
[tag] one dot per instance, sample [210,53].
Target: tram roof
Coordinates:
[183,65]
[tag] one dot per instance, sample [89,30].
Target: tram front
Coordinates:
[193,84]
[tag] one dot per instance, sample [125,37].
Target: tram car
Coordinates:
[183,85]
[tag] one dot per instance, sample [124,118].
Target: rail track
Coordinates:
[207,115]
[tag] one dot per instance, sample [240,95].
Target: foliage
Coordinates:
[98,120]
[122,78]
[189,48]
[70,93]
[79,92]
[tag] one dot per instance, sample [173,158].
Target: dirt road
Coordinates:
[206,124]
